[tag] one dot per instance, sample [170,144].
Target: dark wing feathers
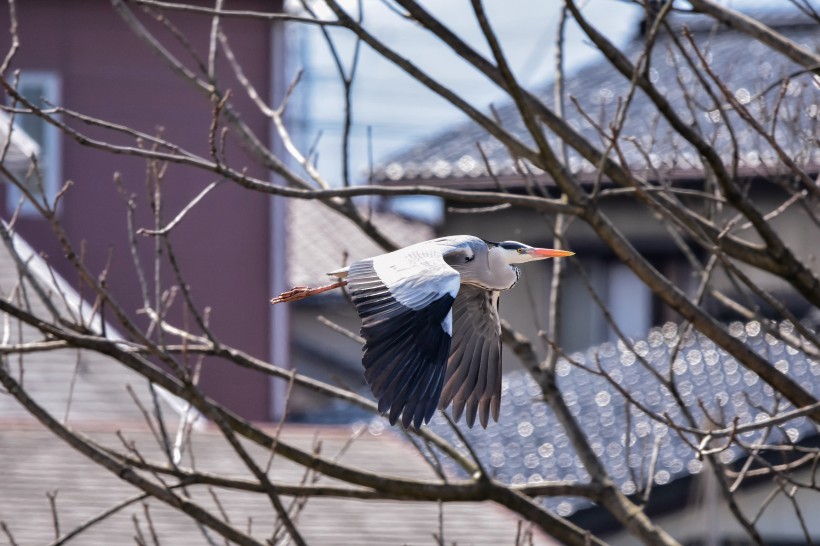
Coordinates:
[406,349]
[412,363]
[473,379]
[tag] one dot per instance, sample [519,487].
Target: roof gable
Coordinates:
[81,386]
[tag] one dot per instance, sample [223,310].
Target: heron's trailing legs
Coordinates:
[301,292]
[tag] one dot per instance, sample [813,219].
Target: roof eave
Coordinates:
[517,182]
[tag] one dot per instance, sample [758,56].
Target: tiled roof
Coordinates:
[321,240]
[34,463]
[747,66]
[529,445]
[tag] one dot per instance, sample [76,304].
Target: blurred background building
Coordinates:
[449,158]
[237,248]
[234,246]
[83,56]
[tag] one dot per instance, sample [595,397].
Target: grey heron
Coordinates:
[430,323]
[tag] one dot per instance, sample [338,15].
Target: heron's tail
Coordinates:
[301,292]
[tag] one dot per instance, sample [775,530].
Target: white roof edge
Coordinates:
[40,269]
[20,140]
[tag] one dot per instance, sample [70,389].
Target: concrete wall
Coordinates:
[704,520]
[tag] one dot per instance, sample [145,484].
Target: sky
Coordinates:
[395,110]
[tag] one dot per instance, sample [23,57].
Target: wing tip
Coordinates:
[409,420]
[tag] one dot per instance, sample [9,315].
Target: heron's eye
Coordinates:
[521,251]
[469,258]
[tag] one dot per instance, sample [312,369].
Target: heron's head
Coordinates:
[513,252]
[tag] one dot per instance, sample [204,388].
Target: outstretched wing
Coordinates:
[404,299]
[473,380]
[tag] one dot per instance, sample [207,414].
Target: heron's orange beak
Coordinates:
[550,253]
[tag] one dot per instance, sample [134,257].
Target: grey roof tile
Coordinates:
[41,463]
[529,445]
[648,143]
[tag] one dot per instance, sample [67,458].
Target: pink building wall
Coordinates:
[224,244]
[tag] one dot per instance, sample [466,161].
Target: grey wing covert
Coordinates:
[473,380]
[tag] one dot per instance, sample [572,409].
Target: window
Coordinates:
[41,89]
[629,301]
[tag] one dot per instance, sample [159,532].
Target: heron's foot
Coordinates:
[294,294]
[301,292]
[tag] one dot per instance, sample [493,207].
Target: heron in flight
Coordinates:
[430,324]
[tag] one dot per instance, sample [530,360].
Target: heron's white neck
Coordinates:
[503,275]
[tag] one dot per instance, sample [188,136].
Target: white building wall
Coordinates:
[699,519]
